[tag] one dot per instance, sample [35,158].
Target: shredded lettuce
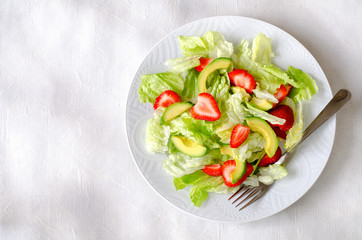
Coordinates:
[308,86]
[264,115]
[192,46]
[253,144]
[157,135]
[152,85]
[295,133]
[268,174]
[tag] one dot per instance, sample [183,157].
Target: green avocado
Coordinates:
[211,67]
[188,147]
[236,89]
[239,171]
[261,126]
[262,104]
[174,110]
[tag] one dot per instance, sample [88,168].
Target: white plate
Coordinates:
[309,159]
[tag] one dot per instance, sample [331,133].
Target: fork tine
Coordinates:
[243,187]
[260,194]
[247,189]
[252,193]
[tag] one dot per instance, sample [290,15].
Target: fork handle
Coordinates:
[337,102]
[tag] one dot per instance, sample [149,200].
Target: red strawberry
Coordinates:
[203,63]
[265,161]
[228,167]
[241,78]
[166,98]
[212,170]
[282,92]
[284,112]
[280,133]
[205,108]
[239,135]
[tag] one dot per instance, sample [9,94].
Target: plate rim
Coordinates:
[329,89]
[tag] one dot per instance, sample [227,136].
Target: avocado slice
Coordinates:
[239,171]
[236,89]
[174,110]
[262,104]
[211,67]
[188,147]
[261,126]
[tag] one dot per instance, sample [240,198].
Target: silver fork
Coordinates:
[254,193]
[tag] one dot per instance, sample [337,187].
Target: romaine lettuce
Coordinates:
[183,64]
[157,135]
[211,45]
[152,85]
[308,86]
[268,174]
[262,50]
[295,133]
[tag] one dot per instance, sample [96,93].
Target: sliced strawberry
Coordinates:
[265,161]
[284,112]
[239,134]
[166,98]
[205,108]
[228,167]
[203,63]
[282,92]
[280,133]
[241,78]
[212,170]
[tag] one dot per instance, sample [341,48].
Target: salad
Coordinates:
[222,115]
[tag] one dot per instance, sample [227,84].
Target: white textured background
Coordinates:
[65,168]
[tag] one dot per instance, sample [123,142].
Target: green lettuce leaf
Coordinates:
[152,85]
[262,50]
[281,75]
[224,131]
[289,102]
[264,94]
[211,45]
[190,90]
[253,144]
[192,46]
[295,133]
[179,164]
[157,135]
[199,192]
[308,86]
[264,115]
[251,181]
[244,60]
[268,174]
[183,64]
[188,179]
[219,89]
[197,130]
[216,45]
[235,109]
